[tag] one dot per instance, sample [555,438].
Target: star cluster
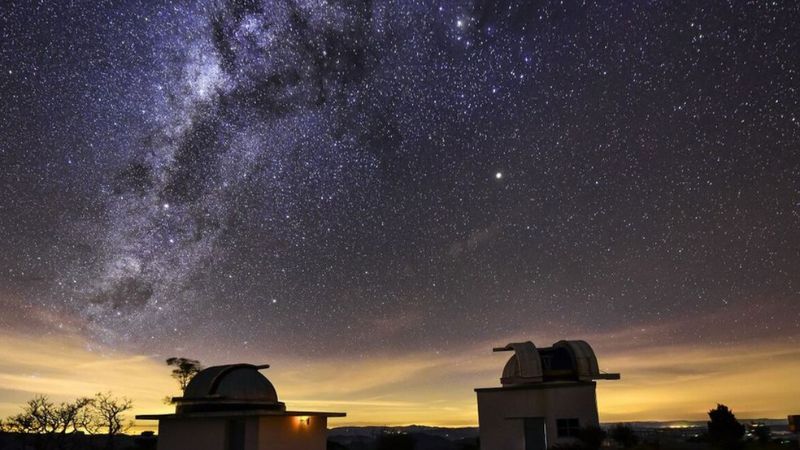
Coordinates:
[356,176]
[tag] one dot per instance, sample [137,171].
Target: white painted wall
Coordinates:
[500,412]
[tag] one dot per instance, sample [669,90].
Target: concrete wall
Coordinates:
[197,434]
[292,433]
[260,433]
[501,412]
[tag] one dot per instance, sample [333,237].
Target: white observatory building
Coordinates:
[547,396]
[235,407]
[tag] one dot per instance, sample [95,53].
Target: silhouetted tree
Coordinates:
[30,422]
[391,441]
[184,370]
[109,416]
[762,433]
[469,445]
[624,435]
[146,441]
[333,445]
[33,418]
[592,437]
[724,431]
[48,424]
[72,417]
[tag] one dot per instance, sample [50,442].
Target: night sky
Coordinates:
[355,180]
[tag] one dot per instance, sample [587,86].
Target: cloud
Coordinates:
[63,367]
[684,382]
[658,383]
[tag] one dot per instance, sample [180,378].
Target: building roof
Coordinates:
[538,386]
[231,390]
[234,381]
[246,413]
[228,388]
[563,361]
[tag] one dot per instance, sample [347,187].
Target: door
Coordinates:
[535,433]
[235,430]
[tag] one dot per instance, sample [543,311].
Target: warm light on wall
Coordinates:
[303,421]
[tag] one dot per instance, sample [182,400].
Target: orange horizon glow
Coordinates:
[668,383]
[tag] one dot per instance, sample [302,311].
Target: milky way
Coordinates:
[362,175]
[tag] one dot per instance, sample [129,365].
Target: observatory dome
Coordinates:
[227,388]
[563,361]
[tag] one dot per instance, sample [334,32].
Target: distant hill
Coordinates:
[466,438]
[695,423]
[470,432]
[425,438]
[451,434]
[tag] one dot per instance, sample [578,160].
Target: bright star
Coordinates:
[498,175]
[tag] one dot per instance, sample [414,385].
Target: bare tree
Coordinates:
[36,421]
[47,423]
[50,426]
[184,370]
[24,425]
[624,435]
[41,411]
[109,415]
[84,420]
[29,420]
[69,419]
[19,423]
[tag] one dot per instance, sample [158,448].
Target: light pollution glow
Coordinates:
[664,383]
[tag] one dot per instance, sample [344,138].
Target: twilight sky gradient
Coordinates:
[369,195]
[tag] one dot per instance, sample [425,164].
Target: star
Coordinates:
[218,157]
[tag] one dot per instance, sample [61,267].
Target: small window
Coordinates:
[568,428]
